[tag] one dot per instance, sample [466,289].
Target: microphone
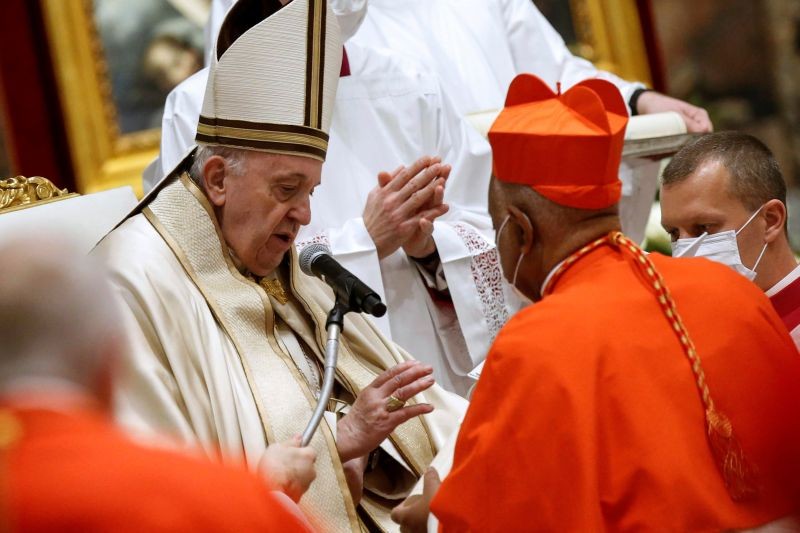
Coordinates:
[316,260]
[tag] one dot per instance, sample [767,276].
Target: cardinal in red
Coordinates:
[639,392]
[64,466]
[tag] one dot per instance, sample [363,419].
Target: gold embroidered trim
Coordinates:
[315,64]
[274,288]
[248,134]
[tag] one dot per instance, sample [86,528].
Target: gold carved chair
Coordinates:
[21,192]
[36,206]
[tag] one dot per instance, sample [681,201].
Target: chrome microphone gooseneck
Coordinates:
[351,295]
[334,325]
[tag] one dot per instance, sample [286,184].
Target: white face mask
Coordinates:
[519,294]
[721,247]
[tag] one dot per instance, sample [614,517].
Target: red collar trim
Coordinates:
[787,304]
[345,70]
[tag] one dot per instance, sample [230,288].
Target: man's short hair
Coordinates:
[234,160]
[755,174]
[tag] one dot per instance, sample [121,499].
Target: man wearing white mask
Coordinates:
[445,295]
[622,400]
[723,197]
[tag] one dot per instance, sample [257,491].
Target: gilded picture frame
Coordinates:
[106,151]
[609,34]
[606,32]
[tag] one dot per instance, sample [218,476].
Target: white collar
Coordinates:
[785,282]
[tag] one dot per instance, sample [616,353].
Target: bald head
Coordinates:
[552,220]
[57,314]
[540,232]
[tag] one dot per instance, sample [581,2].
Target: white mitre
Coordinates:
[273,77]
[272,82]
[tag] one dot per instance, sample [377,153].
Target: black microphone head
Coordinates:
[309,254]
[373,305]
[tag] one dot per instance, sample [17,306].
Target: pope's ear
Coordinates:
[523,222]
[214,184]
[775,215]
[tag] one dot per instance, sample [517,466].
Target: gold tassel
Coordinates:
[738,474]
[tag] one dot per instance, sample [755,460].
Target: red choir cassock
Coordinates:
[73,471]
[642,393]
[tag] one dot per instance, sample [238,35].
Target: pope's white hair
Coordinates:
[57,315]
[234,161]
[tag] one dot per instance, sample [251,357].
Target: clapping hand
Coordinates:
[401,209]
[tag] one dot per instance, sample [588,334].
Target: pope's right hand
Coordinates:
[290,467]
[372,418]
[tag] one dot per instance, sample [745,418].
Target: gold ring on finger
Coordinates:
[393,403]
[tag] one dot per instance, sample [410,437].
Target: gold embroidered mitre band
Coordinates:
[273,77]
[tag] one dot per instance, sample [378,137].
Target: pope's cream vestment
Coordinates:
[229,362]
[210,362]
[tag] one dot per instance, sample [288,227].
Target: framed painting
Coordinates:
[115,61]
[606,32]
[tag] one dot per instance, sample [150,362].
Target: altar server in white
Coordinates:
[478,46]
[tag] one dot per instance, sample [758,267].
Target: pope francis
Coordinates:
[226,335]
